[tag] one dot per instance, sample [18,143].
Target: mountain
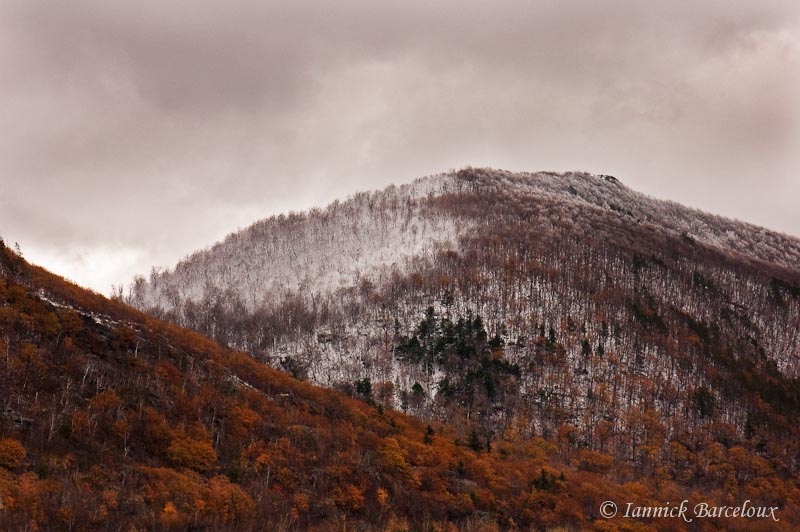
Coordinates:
[573,286]
[114,420]
[566,307]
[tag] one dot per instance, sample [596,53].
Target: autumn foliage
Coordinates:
[113,420]
[12,453]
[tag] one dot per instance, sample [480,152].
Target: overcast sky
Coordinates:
[137,132]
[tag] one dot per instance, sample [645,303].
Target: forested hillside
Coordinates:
[562,306]
[113,420]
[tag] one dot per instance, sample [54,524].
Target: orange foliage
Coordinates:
[227,502]
[12,453]
[194,454]
[155,427]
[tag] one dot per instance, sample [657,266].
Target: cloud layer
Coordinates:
[136,132]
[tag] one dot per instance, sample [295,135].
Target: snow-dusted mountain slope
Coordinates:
[544,301]
[314,252]
[606,192]
[371,233]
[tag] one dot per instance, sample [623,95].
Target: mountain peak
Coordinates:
[543,182]
[374,234]
[578,191]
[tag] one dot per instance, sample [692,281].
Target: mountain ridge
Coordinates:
[775,248]
[640,208]
[550,365]
[561,269]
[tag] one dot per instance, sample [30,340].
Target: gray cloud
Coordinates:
[136,132]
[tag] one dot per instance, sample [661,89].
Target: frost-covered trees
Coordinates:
[599,307]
